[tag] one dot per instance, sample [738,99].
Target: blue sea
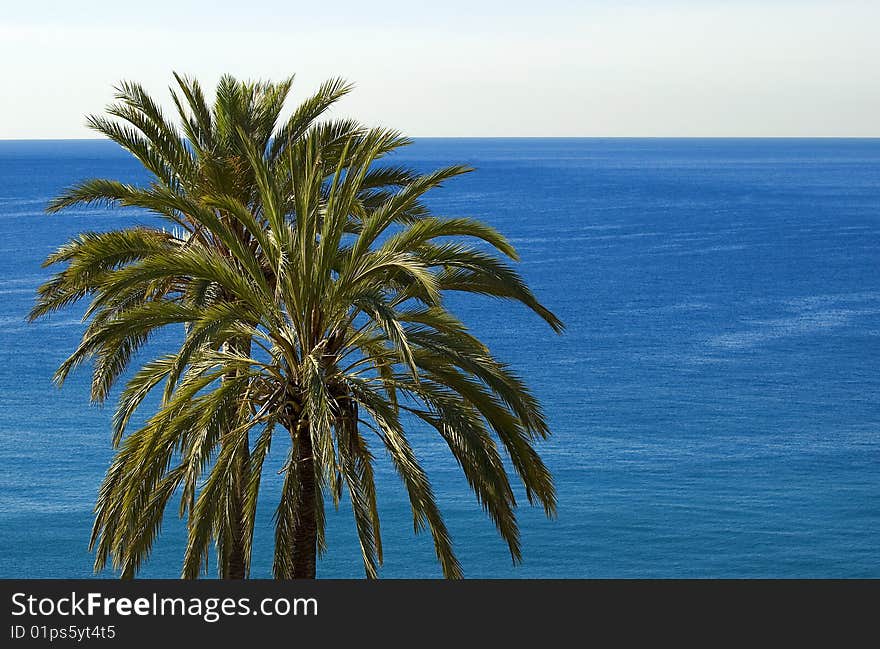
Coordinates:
[714,400]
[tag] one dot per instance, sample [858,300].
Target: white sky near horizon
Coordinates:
[478,68]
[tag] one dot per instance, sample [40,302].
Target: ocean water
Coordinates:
[714,400]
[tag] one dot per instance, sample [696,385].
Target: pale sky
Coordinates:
[469,67]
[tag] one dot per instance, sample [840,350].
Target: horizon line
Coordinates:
[532,137]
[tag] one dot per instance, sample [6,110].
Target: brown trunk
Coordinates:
[305,535]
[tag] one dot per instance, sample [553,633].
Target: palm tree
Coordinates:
[337,288]
[201,156]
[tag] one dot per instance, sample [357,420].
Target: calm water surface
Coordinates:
[714,401]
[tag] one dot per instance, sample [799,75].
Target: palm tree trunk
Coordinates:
[305,535]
